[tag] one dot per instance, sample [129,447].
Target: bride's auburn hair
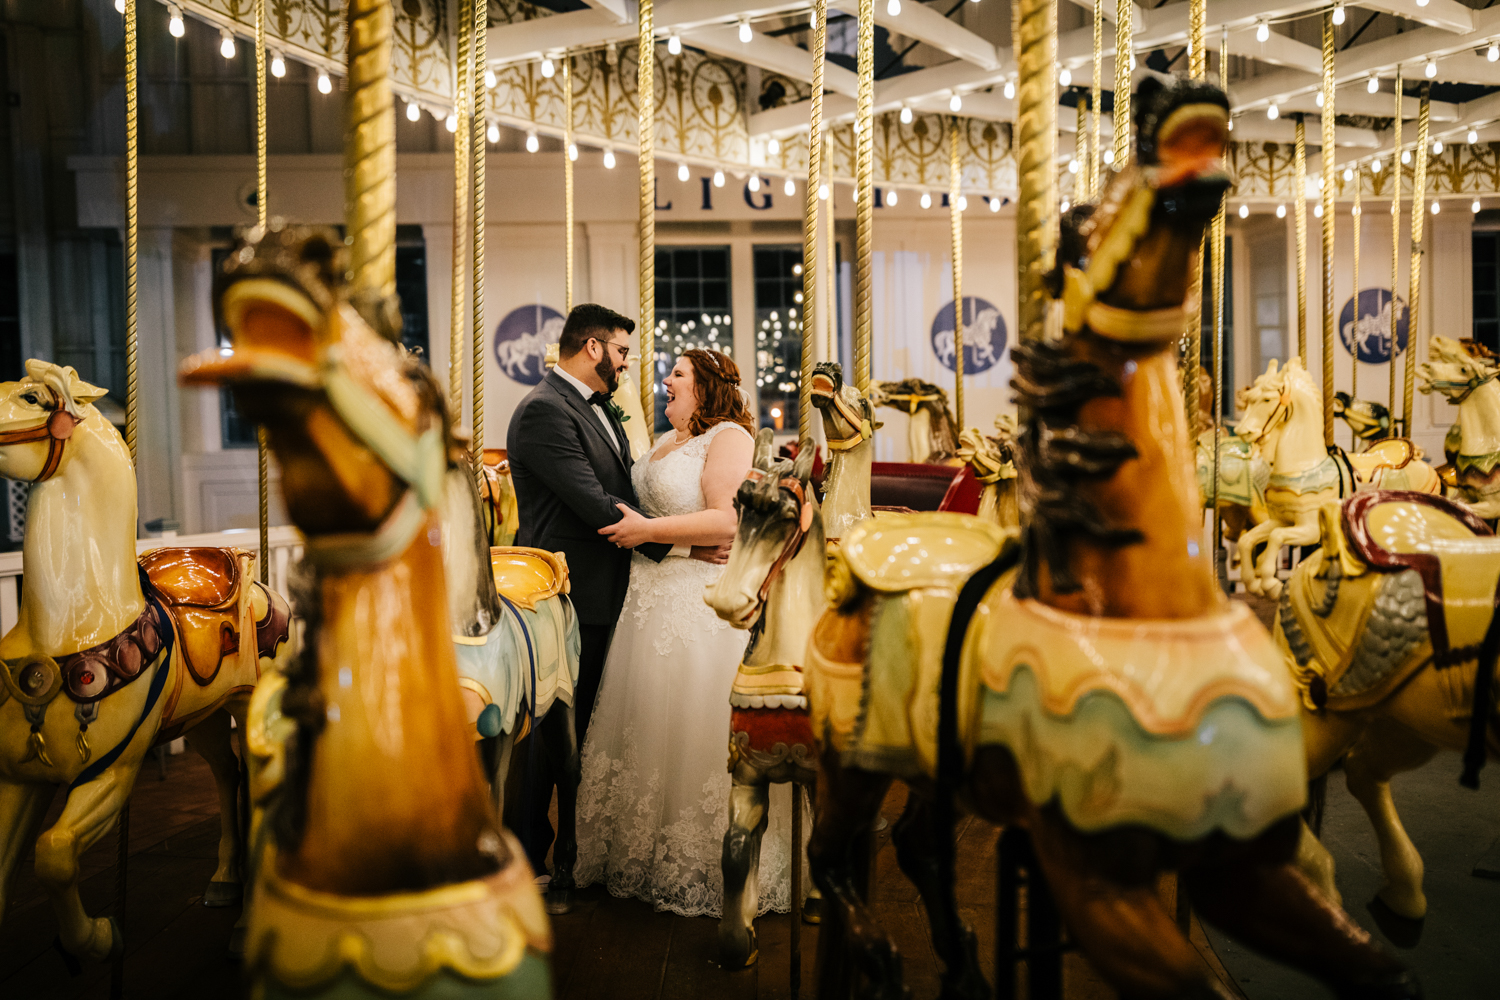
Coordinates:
[716,381]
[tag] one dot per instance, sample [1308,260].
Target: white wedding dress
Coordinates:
[654,803]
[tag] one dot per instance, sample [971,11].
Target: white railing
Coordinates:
[285,542]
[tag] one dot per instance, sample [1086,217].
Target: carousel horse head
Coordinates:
[909,394]
[37,417]
[1456,368]
[848,417]
[777,513]
[1368,419]
[1276,398]
[357,424]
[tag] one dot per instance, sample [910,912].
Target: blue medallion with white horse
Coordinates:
[521,341]
[984,335]
[1372,333]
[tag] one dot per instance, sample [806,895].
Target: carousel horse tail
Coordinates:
[1482,704]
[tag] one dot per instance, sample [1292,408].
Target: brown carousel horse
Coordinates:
[1095,689]
[385,869]
[112,655]
[932,434]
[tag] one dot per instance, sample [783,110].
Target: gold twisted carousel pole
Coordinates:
[1329,223]
[646,88]
[956,226]
[1082,187]
[478,163]
[864,193]
[831,308]
[567,91]
[1123,33]
[263,481]
[1193,334]
[1096,102]
[1354,368]
[462,79]
[1418,213]
[1217,407]
[370,153]
[1395,245]
[810,224]
[1299,218]
[1036,136]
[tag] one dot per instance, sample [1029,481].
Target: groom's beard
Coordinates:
[605,369]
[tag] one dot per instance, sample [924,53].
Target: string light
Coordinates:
[1348,174]
[682,171]
[674,44]
[278,65]
[1318,210]
[926,201]
[1281,211]
[753,184]
[718,178]
[905,115]
[1073,165]
[1473,136]
[1338,13]
[956,103]
[1372,85]
[1231,124]
[489,79]
[547,68]
[1421,3]
[1262,30]
[1375,166]
[325,85]
[891,197]
[226,43]
[493,135]
[1319,99]
[773,146]
[1065,77]
[1273,112]
[609,158]
[1244,211]
[572,147]
[745,34]
[789,188]
[1066,204]
[175,27]
[1010,90]
[119,6]
[893,8]
[1406,156]
[1132,62]
[1474,206]
[413,113]
[1431,70]
[994,204]
[1109,156]
[1437,207]
[532,144]
[963,203]
[1493,52]
[451,122]
[812,19]
[822,192]
[1437,147]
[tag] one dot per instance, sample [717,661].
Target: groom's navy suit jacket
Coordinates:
[568,476]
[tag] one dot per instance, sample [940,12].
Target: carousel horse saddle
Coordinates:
[1393,463]
[1186,726]
[202,588]
[526,576]
[877,697]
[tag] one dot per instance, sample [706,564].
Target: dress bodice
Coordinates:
[673,484]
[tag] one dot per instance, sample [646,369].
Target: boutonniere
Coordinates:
[617,411]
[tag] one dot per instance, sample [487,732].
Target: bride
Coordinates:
[654,803]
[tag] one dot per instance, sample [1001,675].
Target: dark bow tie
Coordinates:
[600,399]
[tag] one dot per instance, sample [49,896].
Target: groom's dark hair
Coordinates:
[590,320]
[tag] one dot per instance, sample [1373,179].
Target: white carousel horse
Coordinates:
[1464,373]
[993,461]
[932,434]
[112,654]
[849,427]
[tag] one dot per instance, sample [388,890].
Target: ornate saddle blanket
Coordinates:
[768,686]
[769,738]
[1184,726]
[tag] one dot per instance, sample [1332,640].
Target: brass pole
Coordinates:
[646,85]
[263,473]
[1082,190]
[1035,35]
[810,223]
[1193,334]
[462,77]
[1218,351]
[1299,217]
[567,90]
[1418,213]
[370,153]
[830,255]
[1123,32]
[956,225]
[864,193]
[132,223]
[1354,378]
[478,162]
[1395,245]
[1096,103]
[1329,223]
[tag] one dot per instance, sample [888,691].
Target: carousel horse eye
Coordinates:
[30,397]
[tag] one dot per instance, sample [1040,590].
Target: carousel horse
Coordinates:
[849,428]
[993,463]
[1369,420]
[1390,632]
[1283,418]
[144,650]
[498,498]
[932,434]
[384,869]
[1463,372]
[773,586]
[1089,683]
[1242,472]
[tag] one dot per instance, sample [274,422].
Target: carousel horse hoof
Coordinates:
[559,901]
[812,910]
[1403,932]
[737,946]
[223,894]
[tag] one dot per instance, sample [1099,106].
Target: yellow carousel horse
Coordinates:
[849,428]
[1463,372]
[992,461]
[112,654]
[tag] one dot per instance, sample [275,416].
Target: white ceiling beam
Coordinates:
[931,28]
[1449,15]
[614,8]
[772,54]
[1284,130]
[1355,100]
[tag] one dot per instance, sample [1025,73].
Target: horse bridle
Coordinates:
[55,430]
[1282,410]
[1445,385]
[794,542]
[914,400]
[863,429]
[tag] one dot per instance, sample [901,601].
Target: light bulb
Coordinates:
[1273,112]
[812,19]
[226,44]
[325,85]
[891,197]
[1356,210]
[1472,137]
[1474,206]
[493,135]
[1338,13]
[1010,90]
[451,122]
[1262,30]
[489,79]
[573,151]
[1244,211]
[963,203]
[1281,211]
[906,115]
[926,200]
[1493,52]
[1375,166]
[718,178]
[1437,207]
[1372,85]
[1406,156]
[1109,156]
[1431,70]
[1421,3]
[994,204]
[119,6]
[1348,174]
[682,171]
[773,146]
[532,144]
[1065,77]
[822,192]
[609,158]
[674,44]
[1132,62]
[175,27]
[1065,205]
[278,65]
[1318,210]
[547,68]
[753,184]
[1437,147]
[745,34]
[1073,165]
[955,103]
[1319,99]
[1231,124]
[893,8]
[413,113]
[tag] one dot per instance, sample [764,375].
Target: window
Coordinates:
[778,334]
[1487,288]
[1272,304]
[692,309]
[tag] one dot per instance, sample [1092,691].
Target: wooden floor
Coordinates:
[607,948]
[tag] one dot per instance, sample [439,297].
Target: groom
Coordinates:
[570,462]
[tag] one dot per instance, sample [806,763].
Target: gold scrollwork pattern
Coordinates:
[1264,170]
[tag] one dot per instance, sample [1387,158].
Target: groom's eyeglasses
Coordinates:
[610,347]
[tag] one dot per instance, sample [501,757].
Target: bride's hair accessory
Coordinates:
[721,397]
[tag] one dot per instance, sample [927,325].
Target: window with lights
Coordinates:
[778,334]
[692,310]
